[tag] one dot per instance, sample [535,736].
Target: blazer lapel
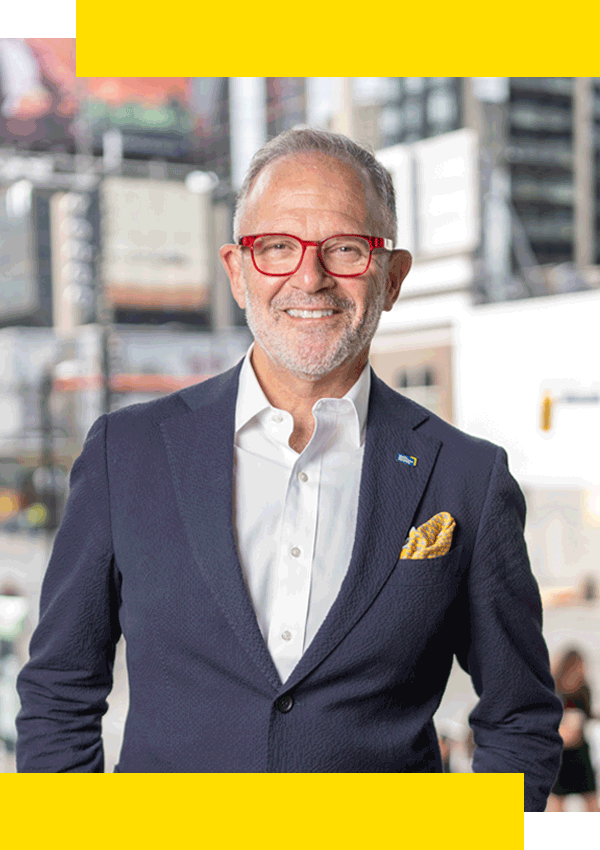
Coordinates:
[200,453]
[390,493]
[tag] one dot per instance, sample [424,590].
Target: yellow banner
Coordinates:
[295,811]
[389,39]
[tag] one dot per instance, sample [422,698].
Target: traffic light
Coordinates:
[41,499]
[43,514]
[546,417]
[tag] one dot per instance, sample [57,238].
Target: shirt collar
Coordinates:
[251,399]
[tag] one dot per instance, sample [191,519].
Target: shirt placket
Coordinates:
[295,557]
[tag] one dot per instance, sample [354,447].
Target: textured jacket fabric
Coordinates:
[147,549]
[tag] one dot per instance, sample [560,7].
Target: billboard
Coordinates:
[38,93]
[18,270]
[152,114]
[437,194]
[155,244]
[45,107]
[399,162]
[447,184]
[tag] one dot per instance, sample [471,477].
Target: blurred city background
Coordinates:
[115,195]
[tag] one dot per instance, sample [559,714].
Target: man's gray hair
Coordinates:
[306,139]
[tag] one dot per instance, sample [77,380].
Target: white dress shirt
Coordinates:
[295,514]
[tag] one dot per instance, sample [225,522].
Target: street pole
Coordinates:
[344,119]
[104,312]
[583,171]
[105,318]
[48,490]
[248,123]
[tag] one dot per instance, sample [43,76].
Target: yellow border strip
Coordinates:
[298,811]
[389,39]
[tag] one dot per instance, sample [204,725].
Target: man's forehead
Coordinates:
[308,171]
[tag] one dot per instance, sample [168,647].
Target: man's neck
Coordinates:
[298,395]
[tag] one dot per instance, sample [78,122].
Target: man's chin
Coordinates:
[313,367]
[311,372]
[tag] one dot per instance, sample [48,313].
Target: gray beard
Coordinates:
[299,359]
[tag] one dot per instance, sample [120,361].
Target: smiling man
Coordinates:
[293,551]
[313,307]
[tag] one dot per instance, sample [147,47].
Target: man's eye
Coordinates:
[347,250]
[276,247]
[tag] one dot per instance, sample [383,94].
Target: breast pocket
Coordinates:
[446,569]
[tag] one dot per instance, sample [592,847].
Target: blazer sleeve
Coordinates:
[64,685]
[515,723]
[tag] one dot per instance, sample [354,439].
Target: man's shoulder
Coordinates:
[180,402]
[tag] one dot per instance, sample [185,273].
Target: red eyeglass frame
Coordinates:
[374,242]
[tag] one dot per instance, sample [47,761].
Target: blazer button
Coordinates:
[284,703]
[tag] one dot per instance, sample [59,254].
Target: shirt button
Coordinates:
[287,635]
[284,703]
[296,552]
[277,417]
[303,476]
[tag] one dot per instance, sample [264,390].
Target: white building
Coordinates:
[488,369]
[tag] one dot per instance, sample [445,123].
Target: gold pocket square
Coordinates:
[431,539]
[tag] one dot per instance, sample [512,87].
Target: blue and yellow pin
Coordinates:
[408,459]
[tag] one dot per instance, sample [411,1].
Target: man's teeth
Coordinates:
[310,314]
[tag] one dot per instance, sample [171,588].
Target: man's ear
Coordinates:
[232,260]
[399,266]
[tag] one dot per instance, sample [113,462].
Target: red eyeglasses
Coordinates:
[344,255]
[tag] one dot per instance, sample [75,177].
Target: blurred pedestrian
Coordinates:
[13,609]
[576,775]
[588,589]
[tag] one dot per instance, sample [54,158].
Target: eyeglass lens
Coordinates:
[340,254]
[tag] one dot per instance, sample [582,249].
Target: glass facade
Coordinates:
[209,97]
[286,103]
[540,155]
[596,155]
[405,109]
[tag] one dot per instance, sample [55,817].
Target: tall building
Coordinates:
[595,182]
[539,159]
[400,110]
[286,103]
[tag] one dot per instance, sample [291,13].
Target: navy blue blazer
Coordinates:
[147,549]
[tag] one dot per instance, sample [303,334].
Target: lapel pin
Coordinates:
[408,459]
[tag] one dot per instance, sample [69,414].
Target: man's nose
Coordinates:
[311,276]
